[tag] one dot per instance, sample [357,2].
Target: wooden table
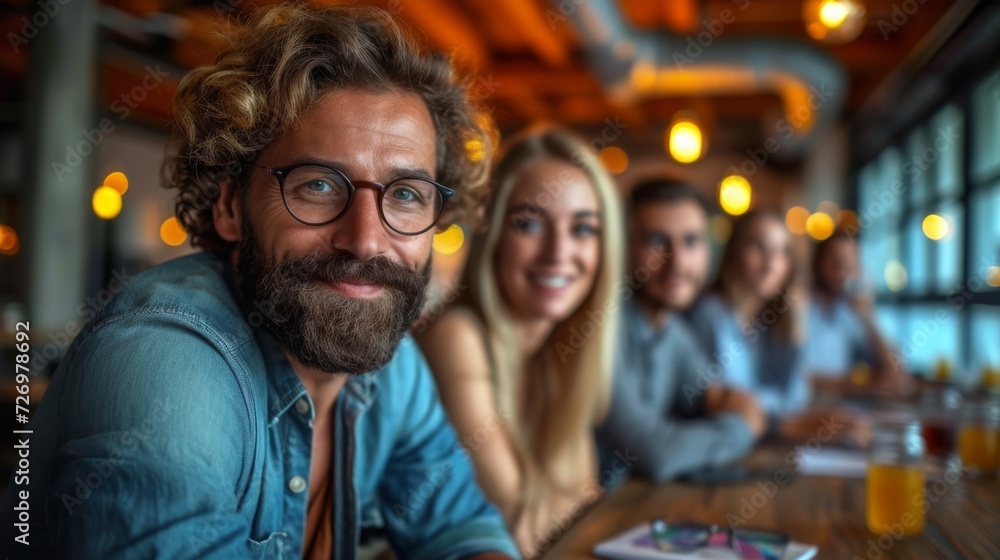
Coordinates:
[963,519]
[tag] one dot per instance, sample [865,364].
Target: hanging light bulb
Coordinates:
[833,21]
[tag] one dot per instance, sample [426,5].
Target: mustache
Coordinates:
[335,267]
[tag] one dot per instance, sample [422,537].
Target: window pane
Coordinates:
[916,261]
[947,142]
[887,202]
[985,336]
[929,336]
[986,126]
[918,165]
[948,258]
[891,323]
[986,227]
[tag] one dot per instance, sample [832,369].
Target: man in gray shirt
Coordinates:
[668,412]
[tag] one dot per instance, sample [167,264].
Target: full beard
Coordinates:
[320,328]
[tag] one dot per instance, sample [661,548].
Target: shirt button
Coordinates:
[297,484]
[302,405]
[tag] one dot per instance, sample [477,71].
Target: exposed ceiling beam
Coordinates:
[525,18]
[449,29]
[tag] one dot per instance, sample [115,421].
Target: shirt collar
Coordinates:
[285,387]
[639,325]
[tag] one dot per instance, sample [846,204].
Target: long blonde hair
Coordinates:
[567,387]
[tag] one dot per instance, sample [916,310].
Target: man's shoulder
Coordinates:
[192,289]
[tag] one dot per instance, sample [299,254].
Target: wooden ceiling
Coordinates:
[530,64]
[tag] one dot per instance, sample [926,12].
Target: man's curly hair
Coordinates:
[278,66]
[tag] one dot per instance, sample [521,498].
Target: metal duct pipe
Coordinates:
[634,65]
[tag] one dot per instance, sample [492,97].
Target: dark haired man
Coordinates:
[244,401]
[666,409]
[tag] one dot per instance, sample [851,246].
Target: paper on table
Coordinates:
[635,544]
[846,463]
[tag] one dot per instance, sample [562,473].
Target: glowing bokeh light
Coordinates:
[117,181]
[107,203]
[615,159]
[684,141]
[895,275]
[935,227]
[795,219]
[735,195]
[449,241]
[172,233]
[820,225]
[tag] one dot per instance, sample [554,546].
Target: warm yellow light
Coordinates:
[993,276]
[735,194]
[795,219]
[935,227]
[475,148]
[895,275]
[820,225]
[816,31]
[720,228]
[172,233]
[832,13]
[107,203]
[684,141]
[9,243]
[833,21]
[615,159]
[643,76]
[117,181]
[450,240]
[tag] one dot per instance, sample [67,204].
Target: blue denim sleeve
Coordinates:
[153,431]
[431,503]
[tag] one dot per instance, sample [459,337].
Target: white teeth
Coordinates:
[552,281]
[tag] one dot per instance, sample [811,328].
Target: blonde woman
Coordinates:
[523,362]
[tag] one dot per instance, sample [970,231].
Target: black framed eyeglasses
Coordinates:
[318,195]
[747,543]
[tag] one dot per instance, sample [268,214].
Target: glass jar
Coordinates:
[896,477]
[939,419]
[979,439]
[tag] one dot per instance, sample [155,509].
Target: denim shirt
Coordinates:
[176,428]
[750,356]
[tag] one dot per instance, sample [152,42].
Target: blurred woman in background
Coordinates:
[840,331]
[523,361]
[751,322]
